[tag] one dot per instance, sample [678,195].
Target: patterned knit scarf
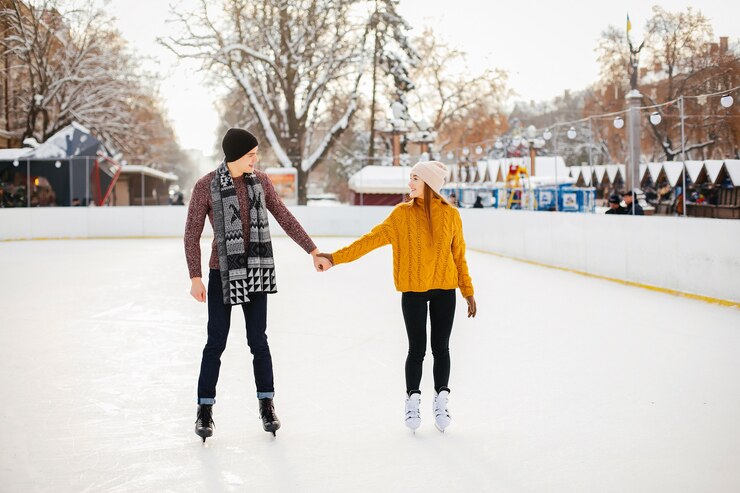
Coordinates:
[243,270]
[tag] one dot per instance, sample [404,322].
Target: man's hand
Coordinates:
[197,289]
[472,308]
[320,262]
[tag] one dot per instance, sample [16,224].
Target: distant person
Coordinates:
[453,199]
[236,198]
[478,203]
[633,208]
[76,202]
[615,205]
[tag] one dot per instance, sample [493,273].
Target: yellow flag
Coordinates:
[629,24]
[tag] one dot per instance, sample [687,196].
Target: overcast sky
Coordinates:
[546,47]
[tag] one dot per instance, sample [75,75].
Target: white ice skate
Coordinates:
[441,414]
[413,418]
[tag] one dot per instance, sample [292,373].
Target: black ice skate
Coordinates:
[204,421]
[270,421]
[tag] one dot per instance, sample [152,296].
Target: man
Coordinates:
[236,199]
[628,197]
[615,206]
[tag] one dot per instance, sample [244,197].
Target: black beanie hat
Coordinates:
[237,142]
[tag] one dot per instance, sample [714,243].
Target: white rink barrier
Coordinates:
[691,255]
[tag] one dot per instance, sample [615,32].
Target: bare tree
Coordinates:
[289,58]
[449,97]
[683,60]
[71,64]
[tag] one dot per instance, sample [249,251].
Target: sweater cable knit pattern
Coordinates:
[420,263]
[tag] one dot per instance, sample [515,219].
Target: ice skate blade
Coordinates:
[442,430]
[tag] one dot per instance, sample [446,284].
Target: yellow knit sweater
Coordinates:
[418,263]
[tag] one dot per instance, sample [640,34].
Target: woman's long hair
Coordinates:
[430,194]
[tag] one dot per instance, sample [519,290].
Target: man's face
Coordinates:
[246,163]
[627,198]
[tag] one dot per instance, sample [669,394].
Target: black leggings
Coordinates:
[442,314]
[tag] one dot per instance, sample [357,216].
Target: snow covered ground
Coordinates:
[562,383]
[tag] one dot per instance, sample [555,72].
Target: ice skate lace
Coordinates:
[205,418]
[412,410]
[268,412]
[440,407]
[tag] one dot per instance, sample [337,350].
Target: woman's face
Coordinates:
[417,187]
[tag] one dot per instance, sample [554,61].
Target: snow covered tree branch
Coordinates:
[288,58]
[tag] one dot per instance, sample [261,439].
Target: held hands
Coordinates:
[472,308]
[321,261]
[197,289]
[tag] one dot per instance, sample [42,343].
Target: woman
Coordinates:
[428,265]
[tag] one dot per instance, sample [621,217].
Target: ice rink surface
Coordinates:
[563,383]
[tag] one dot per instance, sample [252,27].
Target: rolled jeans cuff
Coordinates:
[265,395]
[207,400]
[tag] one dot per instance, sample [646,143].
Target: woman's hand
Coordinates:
[327,256]
[472,308]
[321,261]
[197,289]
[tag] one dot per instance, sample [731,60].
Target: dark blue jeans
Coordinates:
[219,320]
[441,304]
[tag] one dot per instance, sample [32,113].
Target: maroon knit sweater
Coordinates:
[200,206]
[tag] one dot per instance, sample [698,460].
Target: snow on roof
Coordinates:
[673,171]
[714,166]
[132,169]
[654,169]
[694,169]
[611,171]
[587,174]
[72,140]
[600,171]
[643,169]
[381,179]
[280,171]
[9,154]
[733,169]
[550,166]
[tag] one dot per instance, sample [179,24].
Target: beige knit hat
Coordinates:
[433,173]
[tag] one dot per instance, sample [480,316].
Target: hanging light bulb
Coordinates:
[498,144]
[479,150]
[465,151]
[450,156]
[58,164]
[655,118]
[726,101]
[547,135]
[16,163]
[572,133]
[618,122]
